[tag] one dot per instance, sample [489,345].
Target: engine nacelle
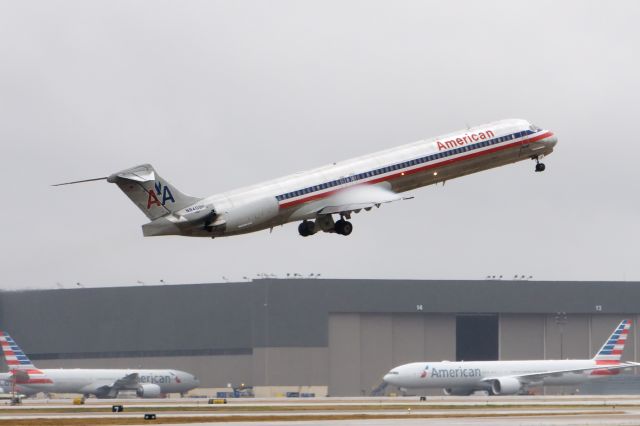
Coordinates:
[149,390]
[458,391]
[251,214]
[505,386]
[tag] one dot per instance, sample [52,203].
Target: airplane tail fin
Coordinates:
[13,355]
[152,194]
[611,351]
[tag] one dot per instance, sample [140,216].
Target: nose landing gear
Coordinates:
[539,166]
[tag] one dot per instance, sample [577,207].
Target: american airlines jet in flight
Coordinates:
[313,197]
[103,383]
[512,377]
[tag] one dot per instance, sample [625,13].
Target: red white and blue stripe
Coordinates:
[13,355]
[611,352]
[19,364]
[395,170]
[614,346]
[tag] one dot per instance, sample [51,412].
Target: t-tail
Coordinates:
[611,352]
[13,355]
[152,194]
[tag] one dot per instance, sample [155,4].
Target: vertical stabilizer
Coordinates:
[611,351]
[13,355]
[152,194]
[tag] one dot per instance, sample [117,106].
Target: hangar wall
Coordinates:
[377,343]
[344,334]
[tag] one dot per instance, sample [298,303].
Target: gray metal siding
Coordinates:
[575,337]
[344,354]
[271,313]
[376,349]
[440,337]
[521,336]
[290,367]
[407,338]
[129,319]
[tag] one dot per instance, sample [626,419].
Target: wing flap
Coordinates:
[347,208]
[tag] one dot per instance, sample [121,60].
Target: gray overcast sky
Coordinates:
[217,95]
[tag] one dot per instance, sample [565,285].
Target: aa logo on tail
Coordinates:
[160,190]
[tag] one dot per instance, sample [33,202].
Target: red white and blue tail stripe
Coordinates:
[611,351]
[13,355]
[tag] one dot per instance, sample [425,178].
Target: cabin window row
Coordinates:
[403,165]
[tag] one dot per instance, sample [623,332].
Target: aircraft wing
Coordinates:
[352,199]
[130,381]
[534,377]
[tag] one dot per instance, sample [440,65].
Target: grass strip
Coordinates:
[115,420]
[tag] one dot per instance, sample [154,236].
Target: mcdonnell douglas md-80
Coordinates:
[103,383]
[313,197]
[511,377]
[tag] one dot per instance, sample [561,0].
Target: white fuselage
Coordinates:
[477,374]
[90,381]
[400,169]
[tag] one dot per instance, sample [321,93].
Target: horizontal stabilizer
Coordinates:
[143,173]
[81,181]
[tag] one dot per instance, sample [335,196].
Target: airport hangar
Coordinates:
[337,336]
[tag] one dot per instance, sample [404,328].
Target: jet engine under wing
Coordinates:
[534,377]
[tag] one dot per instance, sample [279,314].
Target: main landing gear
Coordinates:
[539,166]
[307,228]
[341,227]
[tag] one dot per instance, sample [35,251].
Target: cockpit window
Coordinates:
[534,128]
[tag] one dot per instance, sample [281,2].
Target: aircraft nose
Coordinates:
[389,378]
[551,140]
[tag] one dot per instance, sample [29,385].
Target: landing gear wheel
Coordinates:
[343,227]
[307,228]
[539,166]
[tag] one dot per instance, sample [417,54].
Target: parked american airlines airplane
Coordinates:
[103,383]
[511,377]
[313,197]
